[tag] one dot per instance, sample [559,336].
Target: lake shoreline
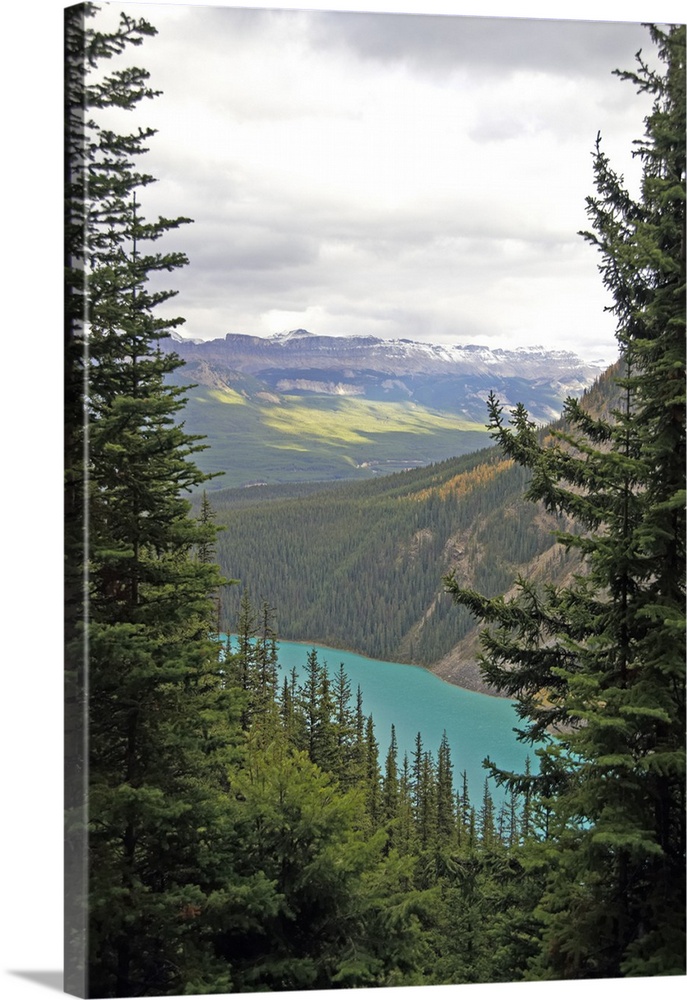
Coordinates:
[434,672]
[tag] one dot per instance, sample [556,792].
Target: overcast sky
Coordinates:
[389,174]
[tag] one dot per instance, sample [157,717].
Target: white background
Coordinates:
[31,359]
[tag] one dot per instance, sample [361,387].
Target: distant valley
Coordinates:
[299,407]
[360,566]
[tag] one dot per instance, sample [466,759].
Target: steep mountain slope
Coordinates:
[361,565]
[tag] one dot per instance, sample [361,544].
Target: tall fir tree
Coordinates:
[344,727]
[372,783]
[266,671]
[390,780]
[598,666]
[83,164]
[143,675]
[446,817]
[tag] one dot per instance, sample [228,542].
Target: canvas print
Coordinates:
[374,500]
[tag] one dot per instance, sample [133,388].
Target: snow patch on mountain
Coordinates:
[438,356]
[439,375]
[325,388]
[178,339]
[287,335]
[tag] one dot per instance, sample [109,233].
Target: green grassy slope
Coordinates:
[256,436]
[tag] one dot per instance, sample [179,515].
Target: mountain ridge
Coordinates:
[302,348]
[299,406]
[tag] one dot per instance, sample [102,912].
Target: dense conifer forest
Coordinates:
[226,832]
[361,568]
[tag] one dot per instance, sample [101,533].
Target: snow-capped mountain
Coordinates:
[303,349]
[178,339]
[455,377]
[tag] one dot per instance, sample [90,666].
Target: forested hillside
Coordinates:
[360,566]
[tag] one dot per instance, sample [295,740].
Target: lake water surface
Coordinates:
[413,699]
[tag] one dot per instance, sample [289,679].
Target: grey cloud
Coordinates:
[250,248]
[296,253]
[431,43]
[209,26]
[442,43]
[435,266]
[496,128]
[474,223]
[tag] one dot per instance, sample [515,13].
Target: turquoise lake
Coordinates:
[413,699]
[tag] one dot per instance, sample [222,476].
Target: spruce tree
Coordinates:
[141,618]
[372,775]
[427,816]
[598,666]
[416,770]
[83,165]
[326,743]
[446,817]
[487,827]
[309,703]
[405,834]
[390,780]
[359,765]
[264,694]
[206,548]
[345,730]
[241,662]
[464,808]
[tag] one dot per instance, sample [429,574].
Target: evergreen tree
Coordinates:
[287,712]
[390,782]
[417,773]
[264,691]
[241,662]
[86,151]
[345,730]
[358,765]
[309,702]
[600,663]
[206,547]
[159,725]
[405,833]
[151,664]
[304,918]
[511,828]
[205,553]
[487,829]
[427,816]
[326,743]
[446,819]
[464,809]
[526,814]
[291,712]
[372,775]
